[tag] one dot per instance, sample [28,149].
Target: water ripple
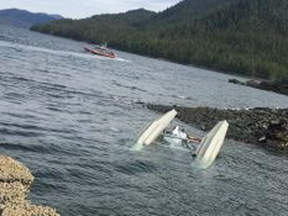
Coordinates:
[70,117]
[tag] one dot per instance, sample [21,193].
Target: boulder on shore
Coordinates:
[265,127]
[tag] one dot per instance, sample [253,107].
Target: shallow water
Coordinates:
[70,117]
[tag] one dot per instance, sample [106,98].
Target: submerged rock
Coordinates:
[265,127]
[15,182]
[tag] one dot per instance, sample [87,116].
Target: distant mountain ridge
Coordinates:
[25,19]
[248,37]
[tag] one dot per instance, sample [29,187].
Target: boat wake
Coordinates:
[123,60]
[56,52]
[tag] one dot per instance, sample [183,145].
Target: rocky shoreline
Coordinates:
[264,127]
[280,87]
[15,182]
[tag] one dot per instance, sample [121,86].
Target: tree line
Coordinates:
[248,38]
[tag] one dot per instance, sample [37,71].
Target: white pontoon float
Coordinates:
[156,128]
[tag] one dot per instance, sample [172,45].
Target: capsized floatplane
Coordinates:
[205,153]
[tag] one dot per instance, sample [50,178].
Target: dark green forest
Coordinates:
[247,37]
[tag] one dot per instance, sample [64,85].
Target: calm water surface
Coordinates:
[70,118]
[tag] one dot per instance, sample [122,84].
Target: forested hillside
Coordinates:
[248,37]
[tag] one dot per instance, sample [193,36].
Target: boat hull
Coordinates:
[95,52]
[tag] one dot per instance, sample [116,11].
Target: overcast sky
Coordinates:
[85,8]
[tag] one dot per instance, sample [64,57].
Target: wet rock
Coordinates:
[15,182]
[235,81]
[275,86]
[265,127]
